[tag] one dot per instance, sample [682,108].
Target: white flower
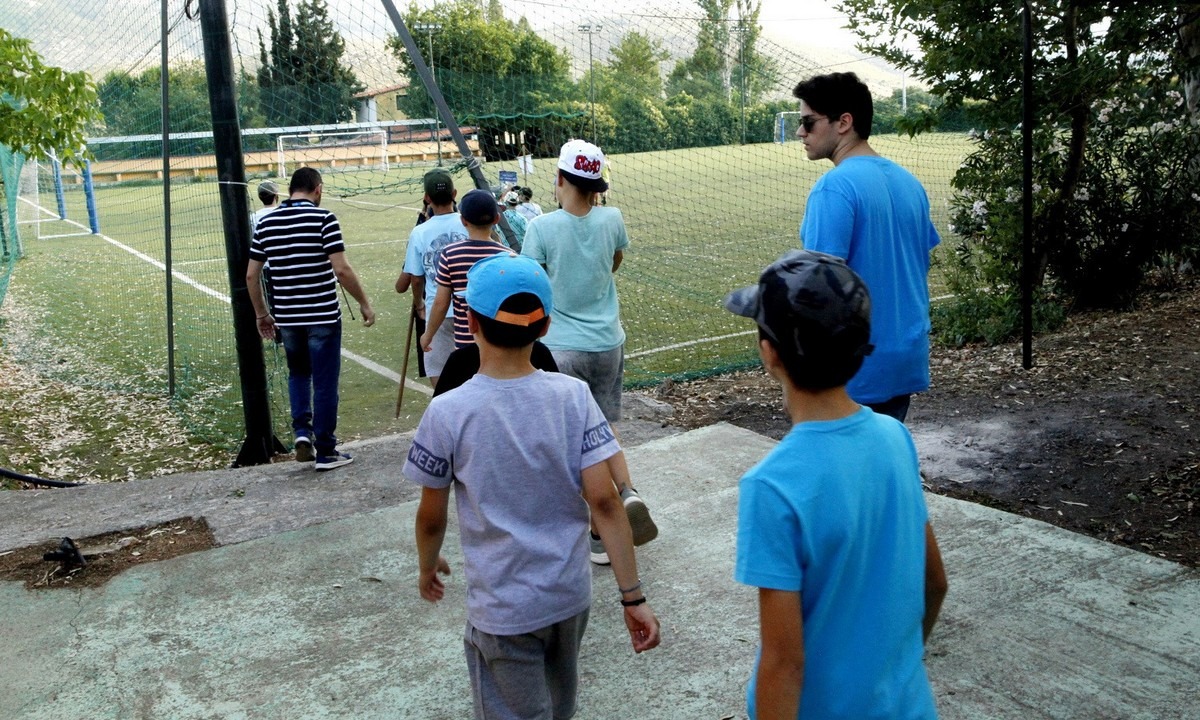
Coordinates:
[1011,195]
[1124,227]
[979,209]
[1104,117]
[973,133]
[1196,197]
[1082,194]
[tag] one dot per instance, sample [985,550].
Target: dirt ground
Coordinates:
[1098,437]
[105,556]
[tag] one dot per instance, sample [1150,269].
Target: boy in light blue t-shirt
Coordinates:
[832,524]
[581,246]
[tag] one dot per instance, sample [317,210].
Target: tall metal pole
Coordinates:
[260,441]
[1027,192]
[166,160]
[741,33]
[430,29]
[591,29]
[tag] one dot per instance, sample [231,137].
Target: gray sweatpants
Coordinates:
[534,676]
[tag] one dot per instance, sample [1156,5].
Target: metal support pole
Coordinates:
[260,441]
[439,102]
[166,161]
[591,29]
[1027,192]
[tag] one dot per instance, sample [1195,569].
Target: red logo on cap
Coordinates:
[584,163]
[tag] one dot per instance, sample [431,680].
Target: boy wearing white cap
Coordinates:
[581,246]
[525,451]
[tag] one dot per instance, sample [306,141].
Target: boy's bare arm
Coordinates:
[781,665]
[608,515]
[437,314]
[404,282]
[431,532]
[618,256]
[418,290]
[936,584]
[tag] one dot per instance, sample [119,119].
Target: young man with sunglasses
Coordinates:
[874,214]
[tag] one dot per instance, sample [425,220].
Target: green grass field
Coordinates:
[701,221]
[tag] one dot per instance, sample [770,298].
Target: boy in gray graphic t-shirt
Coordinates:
[525,452]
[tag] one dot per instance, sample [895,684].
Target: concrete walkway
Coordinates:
[310,610]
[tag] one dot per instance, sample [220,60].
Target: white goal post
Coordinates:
[786,125]
[346,149]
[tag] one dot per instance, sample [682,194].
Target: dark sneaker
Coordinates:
[599,554]
[336,460]
[644,529]
[304,449]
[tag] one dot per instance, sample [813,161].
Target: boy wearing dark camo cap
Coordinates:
[832,524]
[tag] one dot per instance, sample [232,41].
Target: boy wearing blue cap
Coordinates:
[525,451]
[832,524]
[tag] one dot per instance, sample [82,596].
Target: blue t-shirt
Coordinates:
[425,243]
[875,214]
[578,255]
[514,451]
[836,513]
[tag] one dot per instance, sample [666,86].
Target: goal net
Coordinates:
[333,151]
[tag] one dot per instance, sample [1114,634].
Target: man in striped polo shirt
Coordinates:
[302,246]
[479,213]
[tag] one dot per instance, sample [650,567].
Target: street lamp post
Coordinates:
[591,29]
[429,29]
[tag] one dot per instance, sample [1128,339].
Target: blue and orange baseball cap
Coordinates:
[495,279]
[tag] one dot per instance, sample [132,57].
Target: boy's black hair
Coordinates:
[827,361]
[587,185]
[838,93]
[513,336]
[266,195]
[304,180]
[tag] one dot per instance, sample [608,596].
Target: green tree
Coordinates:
[485,69]
[706,73]
[751,66]
[1096,231]
[132,105]
[43,109]
[635,60]
[302,78]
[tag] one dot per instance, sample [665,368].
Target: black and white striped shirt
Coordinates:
[294,243]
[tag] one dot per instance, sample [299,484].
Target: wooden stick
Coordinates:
[412,323]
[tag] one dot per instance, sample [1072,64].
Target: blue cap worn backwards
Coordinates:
[495,279]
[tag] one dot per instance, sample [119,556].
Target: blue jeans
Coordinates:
[897,407]
[314,358]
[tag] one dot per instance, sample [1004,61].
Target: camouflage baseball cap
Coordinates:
[809,302]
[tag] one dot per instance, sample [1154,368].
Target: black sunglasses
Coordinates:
[808,121]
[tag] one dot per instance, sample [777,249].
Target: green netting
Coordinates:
[683,99]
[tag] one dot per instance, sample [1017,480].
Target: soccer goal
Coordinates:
[42,208]
[786,125]
[335,151]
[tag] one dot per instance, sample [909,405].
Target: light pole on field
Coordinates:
[429,29]
[591,29]
[741,31]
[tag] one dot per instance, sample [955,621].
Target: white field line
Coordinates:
[374,242]
[689,343]
[364,362]
[347,201]
[64,235]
